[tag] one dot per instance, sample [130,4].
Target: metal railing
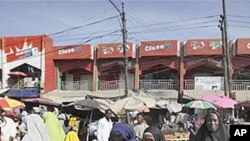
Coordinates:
[236,84]
[159,84]
[75,85]
[189,84]
[111,85]
[241,84]
[148,84]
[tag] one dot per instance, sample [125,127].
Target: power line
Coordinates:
[239,16]
[240,26]
[77,27]
[234,21]
[160,30]
[174,22]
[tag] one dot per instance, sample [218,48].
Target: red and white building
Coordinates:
[169,65]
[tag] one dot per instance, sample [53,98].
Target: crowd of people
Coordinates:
[50,125]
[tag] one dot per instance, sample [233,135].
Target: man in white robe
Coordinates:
[104,126]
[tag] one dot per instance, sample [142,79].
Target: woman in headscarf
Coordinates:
[53,126]
[36,129]
[121,132]
[212,129]
[72,135]
[153,133]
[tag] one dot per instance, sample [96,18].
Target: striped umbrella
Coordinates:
[9,104]
[199,104]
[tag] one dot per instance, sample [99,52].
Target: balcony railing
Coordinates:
[75,85]
[236,84]
[241,84]
[159,84]
[189,84]
[111,85]
[148,84]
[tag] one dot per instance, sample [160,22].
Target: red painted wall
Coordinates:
[204,47]
[113,50]
[243,46]
[158,48]
[73,52]
[50,69]
[21,47]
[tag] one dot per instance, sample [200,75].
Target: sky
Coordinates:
[97,21]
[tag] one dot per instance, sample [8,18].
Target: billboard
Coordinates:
[243,46]
[17,48]
[114,50]
[159,48]
[204,47]
[73,52]
[209,83]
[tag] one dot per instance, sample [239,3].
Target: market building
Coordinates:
[22,64]
[192,68]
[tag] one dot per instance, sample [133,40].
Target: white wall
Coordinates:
[33,61]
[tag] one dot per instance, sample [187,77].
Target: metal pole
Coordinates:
[124,46]
[228,56]
[224,57]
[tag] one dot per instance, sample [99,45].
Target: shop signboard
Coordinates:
[209,83]
[204,47]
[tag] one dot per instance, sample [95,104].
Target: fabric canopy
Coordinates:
[220,101]
[9,104]
[17,74]
[132,103]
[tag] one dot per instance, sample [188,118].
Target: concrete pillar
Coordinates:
[182,72]
[95,71]
[137,70]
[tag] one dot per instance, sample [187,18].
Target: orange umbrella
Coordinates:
[10,104]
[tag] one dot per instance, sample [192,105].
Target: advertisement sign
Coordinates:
[114,50]
[243,46]
[159,48]
[204,47]
[209,83]
[17,48]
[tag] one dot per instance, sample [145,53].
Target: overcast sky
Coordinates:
[98,21]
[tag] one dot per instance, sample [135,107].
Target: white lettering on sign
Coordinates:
[240,132]
[107,50]
[69,50]
[248,45]
[158,47]
[197,44]
[120,48]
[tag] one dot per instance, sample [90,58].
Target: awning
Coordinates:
[65,66]
[195,94]
[17,74]
[109,94]
[60,96]
[237,95]
[40,100]
[163,94]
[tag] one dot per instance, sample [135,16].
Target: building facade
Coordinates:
[152,65]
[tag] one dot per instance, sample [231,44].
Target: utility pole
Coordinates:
[124,47]
[226,51]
